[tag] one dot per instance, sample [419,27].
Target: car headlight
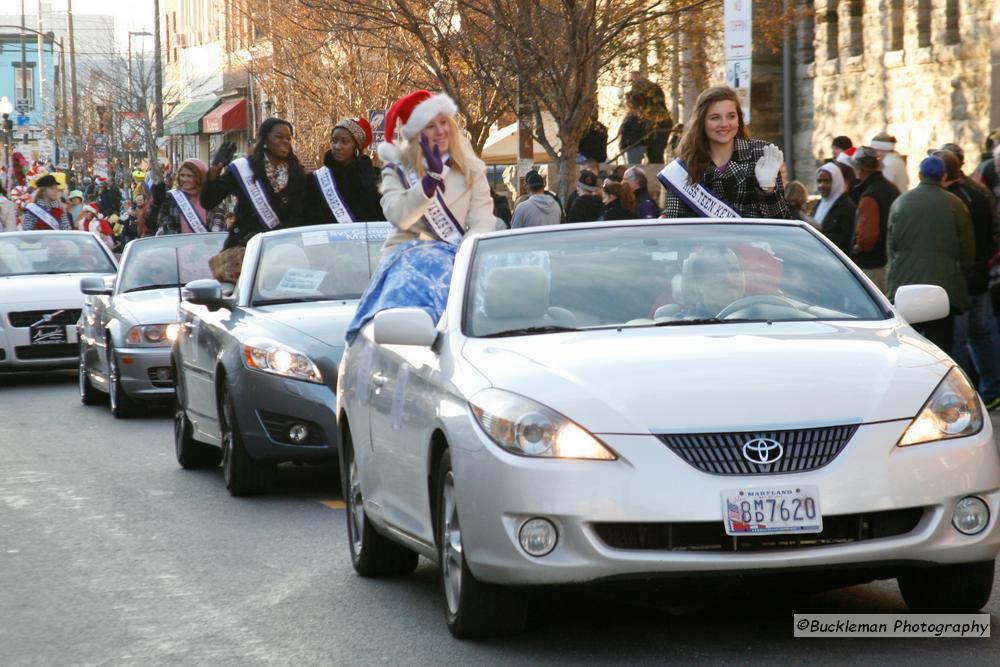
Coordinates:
[952,411]
[271,356]
[152,334]
[525,427]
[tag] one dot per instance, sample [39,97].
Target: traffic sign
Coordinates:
[23,105]
[22,120]
[376,118]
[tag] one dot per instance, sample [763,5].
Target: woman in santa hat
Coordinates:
[182,212]
[434,187]
[269,184]
[345,188]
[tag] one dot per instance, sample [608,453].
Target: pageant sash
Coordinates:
[330,192]
[43,215]
[188,211]
[240,168]
[439,219]
[695,196]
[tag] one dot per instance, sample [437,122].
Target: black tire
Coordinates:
[948,589]
[372,555]
[243,475]
[191,454]
[472,608]
[88,394]
[122,405]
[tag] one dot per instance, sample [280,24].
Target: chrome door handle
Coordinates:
[379,380]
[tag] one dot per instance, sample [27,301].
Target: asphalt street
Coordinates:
[110,554]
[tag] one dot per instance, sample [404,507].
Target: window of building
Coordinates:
[831,20]
[923,22]
[896,25]
[951,19]
[855,14]
[24,83]
[805,31]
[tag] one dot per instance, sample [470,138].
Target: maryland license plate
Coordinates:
[771,510]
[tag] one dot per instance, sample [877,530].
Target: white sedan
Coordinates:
[40,299]
[634,399]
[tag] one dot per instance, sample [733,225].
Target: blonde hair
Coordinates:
[463,157]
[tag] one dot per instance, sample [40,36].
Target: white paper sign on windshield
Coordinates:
[301,281]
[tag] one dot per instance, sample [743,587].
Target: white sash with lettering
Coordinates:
[188,211]
[241,169]
[695,196]
[43,215]
[332,195]
[439,219]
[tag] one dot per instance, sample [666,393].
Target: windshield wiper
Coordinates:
[527,331]
[289,299]
[142,288]
[701,320]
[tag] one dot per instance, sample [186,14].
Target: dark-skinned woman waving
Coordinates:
[345,188]
[270,185]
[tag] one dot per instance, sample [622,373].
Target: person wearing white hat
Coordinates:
[893,166]
[75,205]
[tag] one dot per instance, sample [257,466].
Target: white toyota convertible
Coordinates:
[636,399]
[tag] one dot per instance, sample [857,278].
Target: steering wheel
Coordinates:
[755,300]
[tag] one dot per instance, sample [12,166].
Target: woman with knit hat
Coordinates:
[182,212]
[270,184]
[434,187]
[345,188]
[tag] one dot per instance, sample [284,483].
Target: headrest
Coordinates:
[516,291]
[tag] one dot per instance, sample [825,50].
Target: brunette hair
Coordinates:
[796,195]
[623,193]
[693,149]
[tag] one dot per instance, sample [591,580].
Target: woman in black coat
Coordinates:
[346,167]
[835,212]
[276,171]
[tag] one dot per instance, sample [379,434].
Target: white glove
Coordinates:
[767,166]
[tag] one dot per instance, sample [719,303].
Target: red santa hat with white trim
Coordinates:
[411,113]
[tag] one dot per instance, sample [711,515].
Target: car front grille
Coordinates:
[722,453]
[25,318]
[711,535]
[53,351]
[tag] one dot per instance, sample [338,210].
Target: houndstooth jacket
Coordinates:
[737,186]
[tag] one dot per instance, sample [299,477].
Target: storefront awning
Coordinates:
[229,116]
[186,119]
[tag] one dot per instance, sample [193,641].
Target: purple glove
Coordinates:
[433,179]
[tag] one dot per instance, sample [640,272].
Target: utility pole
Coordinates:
[72,65]
[158,78]
[62,82]
[24,67]
[41,67]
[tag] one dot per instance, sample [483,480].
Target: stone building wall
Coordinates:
[856,80]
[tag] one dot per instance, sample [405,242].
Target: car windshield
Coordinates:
[168,261]
[658,275]
[34,253]
[318,264]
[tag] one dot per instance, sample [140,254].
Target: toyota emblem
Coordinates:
[762,451]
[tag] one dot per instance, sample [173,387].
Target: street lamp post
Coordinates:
[8,125]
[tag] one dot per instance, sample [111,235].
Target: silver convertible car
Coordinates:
[256,364]
[128,323]
[674,398]
[40,298]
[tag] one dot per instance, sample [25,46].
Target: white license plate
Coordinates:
[770,510]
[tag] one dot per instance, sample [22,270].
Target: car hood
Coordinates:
[719,377]
[155,306]
[42,291]
[326,321]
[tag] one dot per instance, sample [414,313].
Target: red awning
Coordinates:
[228,116]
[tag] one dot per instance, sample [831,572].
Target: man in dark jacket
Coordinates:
[110,199]
[874,195]
[930,242]
[976,336]
[588,206]
[645,206]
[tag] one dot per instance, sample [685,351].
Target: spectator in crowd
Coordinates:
[594,143]
[893,165]
[539,208]
[988,173]
[835,211]
[8,212]
[501,207]
[931,242]
[675,137]
[109,199]
[619,202]
[875,195]
[652,104]
[798,202]
[634,132]
[840,144]
[588,206]
[591,165]
[843,162]
[645,205]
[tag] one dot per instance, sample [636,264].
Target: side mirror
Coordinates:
[404,326]
[206,292]
[95,287]
[921,303]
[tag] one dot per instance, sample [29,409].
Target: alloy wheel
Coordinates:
[452,545]
[356,506]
